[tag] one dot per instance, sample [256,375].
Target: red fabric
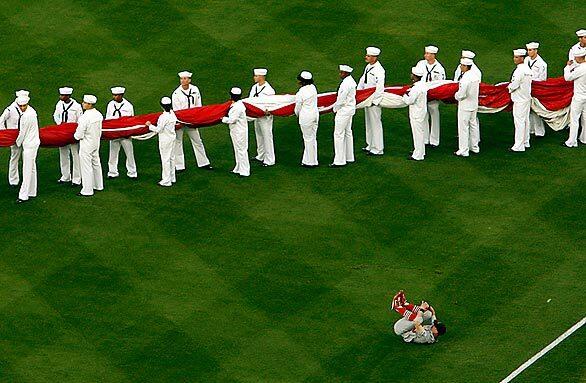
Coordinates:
[554,94]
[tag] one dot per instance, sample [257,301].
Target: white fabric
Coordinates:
[165,128]
[118,90]
[573,50]
[88,132]
[306,75]
[577,74]
[474,70]
[346,68]
[185,74]
[372,51]
[533,45]
[346,98]
[263,126]
[343,139]
[238,125]
[260,72]
[468,54]
[431,49]
[114,111]
[556,119]
[186,99]
[519,52]
[416,98]
[236,91]
[468,129]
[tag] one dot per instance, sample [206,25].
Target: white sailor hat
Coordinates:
[431,49]
[581,33]
[579,52]
[519,52]
[90,99]
[417,71]
[533,45]
[372,51]
[260,72]
[22,92]
[466,61]
[22,100]
[65,91]
[118,90]
[185,74]
[305,75]
[236,91]
[166,101]
[346,68]
[468,54]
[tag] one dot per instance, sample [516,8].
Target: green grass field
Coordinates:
[286,276]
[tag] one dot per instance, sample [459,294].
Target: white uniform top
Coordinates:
[306,104]
[119,109]
[9,117]
[70,112]
[520,85]
[433,72]
[28,135]
[165,126]
[577,73]
[89,129]
[416,98]
[261,90]
[424,337]
[236,116]
[186,99]
[345,104]
[474,70]
[467,94]
[374,76]
[572,50]
[538,67]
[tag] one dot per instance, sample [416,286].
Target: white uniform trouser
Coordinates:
[418,132]
[29,173]
[577,112]
[66,163]
[13,177]
[433,114]
[404,325]
[200,152]
[521,119]
[374,130]
[536,124]
[265,149]
[468,132]
[240,144]
[91,170]
[166,148]
[343,139]
[309,132]
[126,144]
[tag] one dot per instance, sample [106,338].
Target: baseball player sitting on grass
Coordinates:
[418,323]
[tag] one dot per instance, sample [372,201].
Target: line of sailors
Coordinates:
[80,162]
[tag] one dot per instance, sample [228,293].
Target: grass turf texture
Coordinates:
[286,276]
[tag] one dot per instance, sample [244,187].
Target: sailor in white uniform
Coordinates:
[434,71]
[520,90]
[28,140]
[539,68]
[373,77]
[416,98]
[263,126]
[187,96]
[119,107]
[308,114]
[88,133]
[467,97]
[68,110]
[576,71]
[165,128]
[238,125]
[344,108]
[9,120]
